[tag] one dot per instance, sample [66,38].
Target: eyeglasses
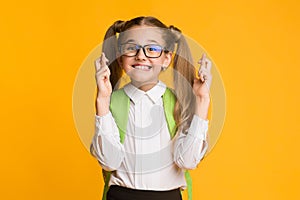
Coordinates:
[150,50]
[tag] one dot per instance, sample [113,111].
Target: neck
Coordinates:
[144,86]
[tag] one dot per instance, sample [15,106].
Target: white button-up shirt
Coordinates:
[149,159]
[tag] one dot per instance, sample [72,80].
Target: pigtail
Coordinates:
[110,48]
[184,74]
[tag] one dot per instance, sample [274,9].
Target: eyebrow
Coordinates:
[154,41]
[131,40]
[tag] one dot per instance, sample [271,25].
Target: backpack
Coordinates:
[120,101]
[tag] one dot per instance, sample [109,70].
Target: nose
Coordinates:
[140,54]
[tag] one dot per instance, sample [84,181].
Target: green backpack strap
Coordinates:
[189,183]
[106,177]
[169,101]
[119,107]
[120,101]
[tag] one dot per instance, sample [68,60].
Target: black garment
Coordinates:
[121,193]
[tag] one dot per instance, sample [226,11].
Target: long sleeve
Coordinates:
[190,148]
[106,142]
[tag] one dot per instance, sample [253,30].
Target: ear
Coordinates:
[168,59]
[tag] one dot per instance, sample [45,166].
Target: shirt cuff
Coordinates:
[199,127]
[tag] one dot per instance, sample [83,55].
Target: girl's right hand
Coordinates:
[102,77]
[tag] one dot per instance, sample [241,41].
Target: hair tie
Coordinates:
[176,32]
[118,26]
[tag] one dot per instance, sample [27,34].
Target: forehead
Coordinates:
[143,35]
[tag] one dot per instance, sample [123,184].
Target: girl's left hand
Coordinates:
[201,86]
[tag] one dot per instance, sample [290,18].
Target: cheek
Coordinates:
[157,62]
[125,64]
[126,68]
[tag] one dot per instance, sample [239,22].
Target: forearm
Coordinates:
[202,106]
[190,148]
[102,105]
[106,142]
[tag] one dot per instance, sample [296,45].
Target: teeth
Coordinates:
[142,67]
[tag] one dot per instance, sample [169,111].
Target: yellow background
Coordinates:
[255,45]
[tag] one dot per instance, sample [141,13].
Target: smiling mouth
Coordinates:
[142,67]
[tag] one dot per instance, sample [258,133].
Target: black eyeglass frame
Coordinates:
[143,47]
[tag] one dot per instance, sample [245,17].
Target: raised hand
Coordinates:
[201,86]
[102,77]
[103,85]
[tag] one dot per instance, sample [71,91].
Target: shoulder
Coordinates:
[170,93]
[168,89]
[118,100]
[118,92]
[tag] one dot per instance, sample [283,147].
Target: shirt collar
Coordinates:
[136,94]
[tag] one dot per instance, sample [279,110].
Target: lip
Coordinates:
[142,67]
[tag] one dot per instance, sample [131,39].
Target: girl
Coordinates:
[147,135]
